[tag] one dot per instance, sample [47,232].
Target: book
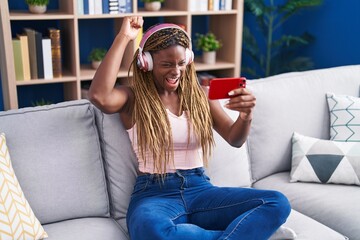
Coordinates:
[19,71]
[25,56]
[128,6]
[105,7]
[80,7]
[98,7]
[216,5]
[86,6]
[47,58]
[91,7]
[210,5]
[228,5]
[39,54]
[55,36]
[32,52]
[122,6]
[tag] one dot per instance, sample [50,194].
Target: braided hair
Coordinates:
[153,127]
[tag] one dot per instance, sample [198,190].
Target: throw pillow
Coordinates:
[17,220]
[324,161]
[344,117]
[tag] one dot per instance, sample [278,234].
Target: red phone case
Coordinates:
[220,87]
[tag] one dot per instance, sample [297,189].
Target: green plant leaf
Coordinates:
[256,7]
[37,2]
[207,42]
[293,6]
[97,54]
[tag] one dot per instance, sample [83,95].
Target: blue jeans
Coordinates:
[187,206]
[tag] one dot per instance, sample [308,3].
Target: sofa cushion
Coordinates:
[120,163]
[333,205]
[307,228]
[55,152]
[85,229]
[293,102]
[228,166]
[16,214]
[345,117]
[324,161]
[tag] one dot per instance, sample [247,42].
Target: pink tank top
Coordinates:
[187,155]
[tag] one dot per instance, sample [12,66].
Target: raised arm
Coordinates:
[102,92]
[235,133]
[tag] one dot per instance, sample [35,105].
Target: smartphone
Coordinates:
[220,87]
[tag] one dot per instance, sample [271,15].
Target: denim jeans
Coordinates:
[187,206]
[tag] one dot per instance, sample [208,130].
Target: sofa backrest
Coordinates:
[120,163]
[293,102]
[55,153]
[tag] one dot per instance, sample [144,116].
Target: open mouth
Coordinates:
[172,80]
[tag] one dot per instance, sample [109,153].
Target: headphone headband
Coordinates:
[144,59]
[159,27]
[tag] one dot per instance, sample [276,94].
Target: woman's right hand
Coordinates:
[131,26]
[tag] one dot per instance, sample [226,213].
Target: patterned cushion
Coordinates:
[344,117]
[17,220]
[324,161]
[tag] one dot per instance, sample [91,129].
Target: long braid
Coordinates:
[153,126]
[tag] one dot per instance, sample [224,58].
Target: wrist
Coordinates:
[246,116]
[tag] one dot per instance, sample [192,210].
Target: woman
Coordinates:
[169,120]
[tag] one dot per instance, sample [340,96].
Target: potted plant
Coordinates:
[96,56]
[37,6]
[208,44]
[152,5]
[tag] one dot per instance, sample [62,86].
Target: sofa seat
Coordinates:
[85,228]
[307,228]
[321,202]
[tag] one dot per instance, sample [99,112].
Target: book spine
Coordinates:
[39,54]
[86,6]
[98,7]
[122,6]
[210,5]
[216,5]
[55,37]
[80,7]
[25,56]
[47,58]
[128,8]
[19,72]
[222,5]
[91,7]
[105,7]
[32,52]
[228,5]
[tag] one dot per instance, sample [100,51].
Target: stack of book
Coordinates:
[211,5]
[104,6]
[204,78]
[37,57]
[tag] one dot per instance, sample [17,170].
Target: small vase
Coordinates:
[95,64]
[153,6]
[209,57]
[37,9]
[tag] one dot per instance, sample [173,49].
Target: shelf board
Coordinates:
[63,79]
[87,73]
[218,12]
[49,15]
[199,66]
[162,12]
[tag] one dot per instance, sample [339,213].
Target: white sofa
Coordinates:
[296,102]
[76,166]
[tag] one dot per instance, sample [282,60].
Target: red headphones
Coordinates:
[144,59]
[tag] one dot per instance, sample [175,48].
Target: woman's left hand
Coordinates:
[243,101]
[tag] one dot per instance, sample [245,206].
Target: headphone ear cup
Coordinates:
[145,62]
[148,61]
[189,56]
